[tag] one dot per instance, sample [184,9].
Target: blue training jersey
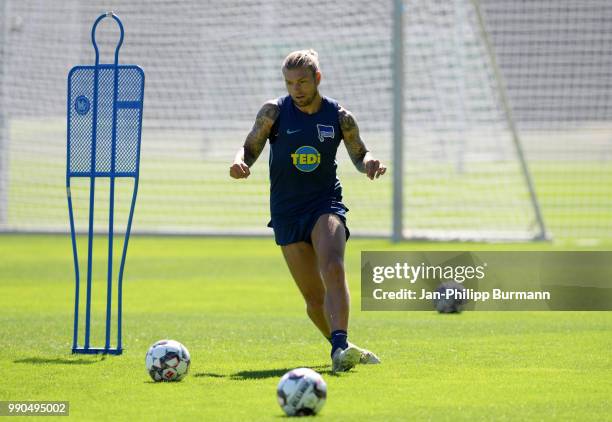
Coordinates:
[303,159]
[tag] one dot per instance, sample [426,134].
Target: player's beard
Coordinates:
[305,102]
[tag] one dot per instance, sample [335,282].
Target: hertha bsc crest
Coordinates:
[325,131]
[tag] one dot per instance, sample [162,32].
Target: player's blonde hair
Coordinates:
[302,58]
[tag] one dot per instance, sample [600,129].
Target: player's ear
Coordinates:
[318,78]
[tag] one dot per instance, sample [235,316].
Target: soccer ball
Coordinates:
[449,305]
[167,360]
[301,392]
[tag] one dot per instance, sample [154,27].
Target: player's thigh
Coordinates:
[302,263]
[329,239]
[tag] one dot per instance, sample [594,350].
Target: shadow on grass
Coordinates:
[209,375]
[58,361]
[273,373]
[261,373]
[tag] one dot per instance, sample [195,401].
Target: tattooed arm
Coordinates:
[255,141]
[361,157]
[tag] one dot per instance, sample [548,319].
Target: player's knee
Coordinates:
[314,298]
[333,270]
[315,304]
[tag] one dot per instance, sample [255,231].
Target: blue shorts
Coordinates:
[300,229]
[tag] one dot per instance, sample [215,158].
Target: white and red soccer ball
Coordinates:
[301,392]
[167,360]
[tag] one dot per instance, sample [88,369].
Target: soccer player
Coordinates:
[307,213]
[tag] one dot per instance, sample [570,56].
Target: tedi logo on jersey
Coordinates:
[306,158]
[325,131]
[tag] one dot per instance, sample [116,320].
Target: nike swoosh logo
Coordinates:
[289,132]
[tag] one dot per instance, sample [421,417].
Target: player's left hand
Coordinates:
[374,169]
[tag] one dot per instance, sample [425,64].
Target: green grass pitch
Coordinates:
[233,304]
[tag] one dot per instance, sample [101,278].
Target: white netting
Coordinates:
[210,65]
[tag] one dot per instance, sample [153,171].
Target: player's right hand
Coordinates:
[240,170]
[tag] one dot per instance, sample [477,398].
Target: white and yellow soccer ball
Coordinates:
[167,360]
[301,392]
